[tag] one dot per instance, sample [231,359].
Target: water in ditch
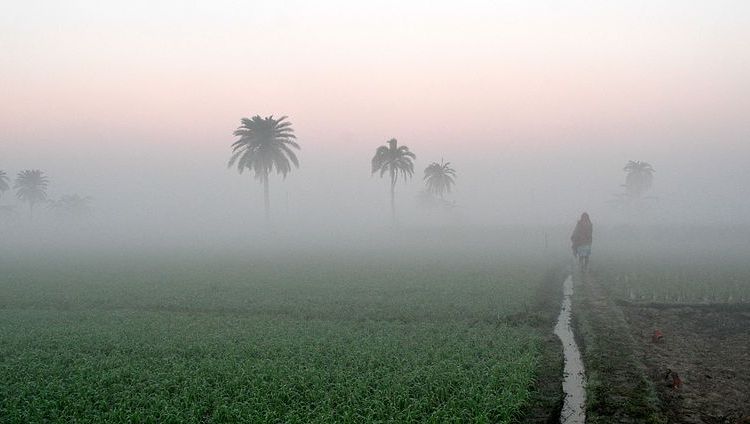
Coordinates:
[574,406]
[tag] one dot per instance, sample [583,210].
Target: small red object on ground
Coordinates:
[657,336]
[676,381]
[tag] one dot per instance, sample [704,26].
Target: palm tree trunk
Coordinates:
[393,198]
[266,198]
[31,211]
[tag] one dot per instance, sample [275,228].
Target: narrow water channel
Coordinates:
[574,406]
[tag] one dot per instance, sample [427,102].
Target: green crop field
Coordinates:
[276,338]
[687,280]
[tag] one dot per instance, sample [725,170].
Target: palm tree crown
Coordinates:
[640,177]
[395,160]
[31,187]
[4,182]
[439,178]
[265,144]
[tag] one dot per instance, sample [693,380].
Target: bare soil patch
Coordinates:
[708,347]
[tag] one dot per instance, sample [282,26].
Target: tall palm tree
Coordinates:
[4,183]
[265,144]
[31,187]
[439,178]
[639,178]
[395,160]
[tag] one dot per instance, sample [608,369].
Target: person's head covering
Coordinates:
[585,217]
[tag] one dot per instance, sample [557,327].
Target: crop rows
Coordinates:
[266,341]
[696,281]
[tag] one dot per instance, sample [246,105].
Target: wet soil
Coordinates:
[709,349]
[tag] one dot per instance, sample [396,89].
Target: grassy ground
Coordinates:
[688,279]
[306,338]
[617,388]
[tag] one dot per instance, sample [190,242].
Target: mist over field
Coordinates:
[156,194]
[400,241]
[536,138]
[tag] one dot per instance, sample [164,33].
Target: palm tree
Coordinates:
[439,178]
[394,160]
[640,177]
[265,144]
[4,183]
[31,187]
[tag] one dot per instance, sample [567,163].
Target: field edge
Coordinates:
[618,389]
[547,394]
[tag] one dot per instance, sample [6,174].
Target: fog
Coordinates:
[158,194]
[538,126]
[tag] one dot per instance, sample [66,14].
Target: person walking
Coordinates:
[582,238]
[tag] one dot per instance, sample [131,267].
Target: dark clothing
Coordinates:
[583,234]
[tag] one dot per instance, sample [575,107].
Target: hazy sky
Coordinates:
[537,103]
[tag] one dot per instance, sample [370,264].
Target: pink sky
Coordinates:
[537,103]
[527,72]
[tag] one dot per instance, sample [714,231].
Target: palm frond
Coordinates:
[264,145]
[4,182]
[439,178]
[31,186]
[394,159]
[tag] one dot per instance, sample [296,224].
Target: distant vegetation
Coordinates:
[31,188]
[72,206]
[439,179]
[393,160]
[692,280]
[639,177]
[264,145]
[4,182]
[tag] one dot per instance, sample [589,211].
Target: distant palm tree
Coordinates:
[439,178]
[72,206]
[265,144]
[31,187]
[394,160]
[4,183]
[640,177]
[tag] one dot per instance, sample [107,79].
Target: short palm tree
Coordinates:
[439,178]
[265,144]
[395,160]
[4,183]
[639,178]
[31,187]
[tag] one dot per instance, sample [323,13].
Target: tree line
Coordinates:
[268,144]
[31,188]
